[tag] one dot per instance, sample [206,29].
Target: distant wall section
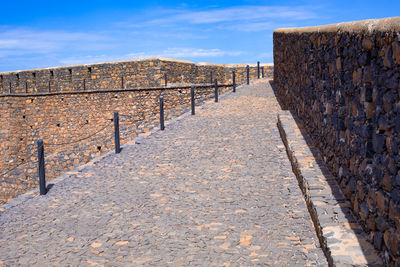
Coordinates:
[124,74]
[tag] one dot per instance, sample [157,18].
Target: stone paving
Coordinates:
[214,189]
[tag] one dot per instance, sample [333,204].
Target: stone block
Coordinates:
[378,142]
[367,44]
[396,52]
[378,240]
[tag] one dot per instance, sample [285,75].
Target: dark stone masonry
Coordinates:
[342,82]
[71,108]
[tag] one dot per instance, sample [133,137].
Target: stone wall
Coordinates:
[123,74]
[342,81]
[76,125]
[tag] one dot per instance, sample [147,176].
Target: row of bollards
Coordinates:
[40,145]
[260,72]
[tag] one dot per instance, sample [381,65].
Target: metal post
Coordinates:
[192,99]
[211,77]
[26,87]
[216,90]
[165,79]
[10,89]
[262,71]
[116,132]
[84,84]
[162,127]
[49,87]
[258,69]
[122,82]
[41,170]
[248,74]
[234,80]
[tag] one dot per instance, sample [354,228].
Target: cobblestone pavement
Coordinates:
[214,189]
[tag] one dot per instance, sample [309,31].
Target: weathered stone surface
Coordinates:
[214,189]
[364,93]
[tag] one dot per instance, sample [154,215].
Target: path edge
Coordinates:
[310,186]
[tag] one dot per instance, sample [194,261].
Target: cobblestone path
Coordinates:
[214,189]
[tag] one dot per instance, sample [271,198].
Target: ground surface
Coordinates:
[214,189]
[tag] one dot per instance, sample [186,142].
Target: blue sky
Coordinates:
[36,34]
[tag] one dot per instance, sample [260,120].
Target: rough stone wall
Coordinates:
[123,74]
[130,74]
[68,113]
[342,81]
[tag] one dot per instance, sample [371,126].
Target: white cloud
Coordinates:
[242,13]
[188,52]
[168,53]
[91,59]
[26,41]
[249,26]
[239,18]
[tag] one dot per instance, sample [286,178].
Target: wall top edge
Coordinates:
[162,59]
[96,64]
[239,65]
[363,26]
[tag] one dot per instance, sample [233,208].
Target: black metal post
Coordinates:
[165,79]
[162,127]
[262,71]
[41,169]
[234,80]
[192,99]
[122,82]
[84,84]
[49,87]
[26,87]
[211,77]
[10,89]
[116,132]
[248,74]
[216,90]
[258,69]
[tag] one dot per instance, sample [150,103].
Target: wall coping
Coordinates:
[131,61]
[96,64]
[363,26]
[235,65]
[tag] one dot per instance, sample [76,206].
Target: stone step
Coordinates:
[341,236]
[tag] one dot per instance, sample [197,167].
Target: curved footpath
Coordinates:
[214,189]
